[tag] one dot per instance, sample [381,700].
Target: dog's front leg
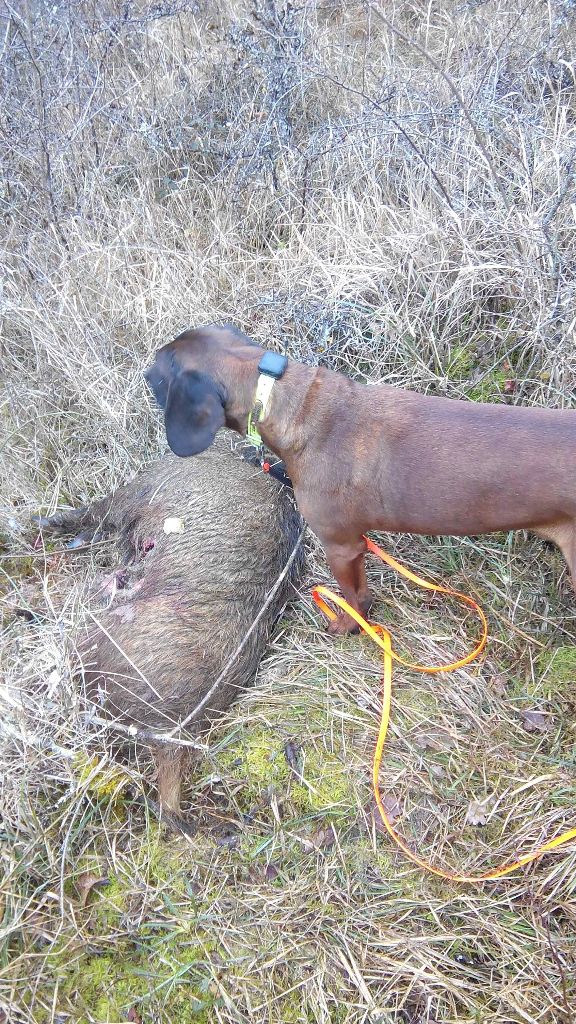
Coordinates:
[347,563]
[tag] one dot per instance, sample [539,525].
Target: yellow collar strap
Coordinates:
[271,368]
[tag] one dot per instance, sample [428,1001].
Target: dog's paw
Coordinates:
[343,624]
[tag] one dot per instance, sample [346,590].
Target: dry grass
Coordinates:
[399,204]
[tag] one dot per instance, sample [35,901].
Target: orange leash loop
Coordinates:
[380,635]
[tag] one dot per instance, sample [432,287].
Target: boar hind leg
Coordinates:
[65,520]
[170,762]
[88,523]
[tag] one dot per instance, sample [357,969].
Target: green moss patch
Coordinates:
[461,362]
[321,784]
[489,389]
[558,672]
[172,975]
[104,780]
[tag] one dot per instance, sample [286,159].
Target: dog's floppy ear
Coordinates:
[194,412]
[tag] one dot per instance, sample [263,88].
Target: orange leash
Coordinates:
[380,635]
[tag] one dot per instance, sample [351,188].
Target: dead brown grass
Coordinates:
[398,204]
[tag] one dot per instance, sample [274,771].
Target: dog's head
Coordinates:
[188,380]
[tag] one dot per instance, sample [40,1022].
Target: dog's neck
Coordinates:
[240,394]
[284,427]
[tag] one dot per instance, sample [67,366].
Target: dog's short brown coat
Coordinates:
[375,457]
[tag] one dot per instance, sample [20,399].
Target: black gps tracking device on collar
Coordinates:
[273,365]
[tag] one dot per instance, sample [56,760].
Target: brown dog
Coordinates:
[376,458]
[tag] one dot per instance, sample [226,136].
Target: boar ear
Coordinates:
[194,412]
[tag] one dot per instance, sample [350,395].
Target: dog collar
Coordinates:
[271,368]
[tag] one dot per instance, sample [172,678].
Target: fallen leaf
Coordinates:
[87,881]
[133,1016]
[324,838]
[306,845]
[271,872]
[477,813]
[535,721]
[392,808]
[498,683]
[431,739]
[293,755]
